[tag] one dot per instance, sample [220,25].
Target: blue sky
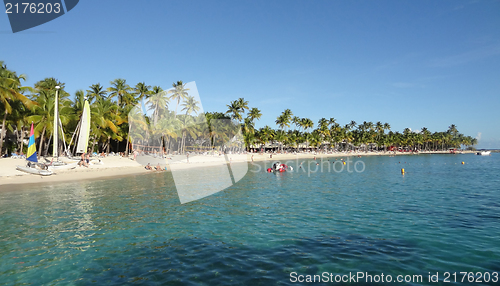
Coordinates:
[408,63]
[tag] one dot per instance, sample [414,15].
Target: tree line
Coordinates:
[175,123]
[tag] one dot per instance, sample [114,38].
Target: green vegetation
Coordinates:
[177,129]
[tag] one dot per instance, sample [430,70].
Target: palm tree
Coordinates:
[178,93]
[254,114]
[158,102]
[119,88]
[190,105]
[169,125]
[307,124]
[43,116]
[234,110]
[43,111]
[335,132]
[296,121]
[315,139]
[283,121]
[105,119]
[142,90]
[242,104]
[95,92]
[426,137]
[16,122]
[266,134]
[188,126]
[10,91]
[281,137]
[79,102]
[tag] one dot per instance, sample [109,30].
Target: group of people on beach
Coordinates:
[85,159]
[157,168]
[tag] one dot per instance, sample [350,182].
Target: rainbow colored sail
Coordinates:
[31,147]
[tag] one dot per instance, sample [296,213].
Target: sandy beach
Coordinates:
[116,166]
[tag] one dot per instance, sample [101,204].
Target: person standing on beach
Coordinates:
[82,161]
[87,158]
[187,157]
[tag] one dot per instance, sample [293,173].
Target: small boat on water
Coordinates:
[278,168]
[484,153]
[32,165]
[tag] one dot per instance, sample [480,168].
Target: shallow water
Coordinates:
[440,216]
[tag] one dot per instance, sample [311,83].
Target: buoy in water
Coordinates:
[463,163]
[402,171]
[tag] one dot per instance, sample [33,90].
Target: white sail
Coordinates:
[83,138]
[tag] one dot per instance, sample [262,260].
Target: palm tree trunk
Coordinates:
[22,141]
[17,139]
[167,144]
[183,143]
[47,147]
[107,149]
[128,137]
[3,131]
[93,144]
[61,147]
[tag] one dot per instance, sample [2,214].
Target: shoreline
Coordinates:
[115,167]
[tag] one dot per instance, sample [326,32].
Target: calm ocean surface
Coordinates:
[441,216]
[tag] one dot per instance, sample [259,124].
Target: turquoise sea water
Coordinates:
[441,216]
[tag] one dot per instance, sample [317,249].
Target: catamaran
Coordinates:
[83,131]
[32,159]
[484,153]
[55,164]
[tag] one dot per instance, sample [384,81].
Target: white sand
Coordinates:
[114,166]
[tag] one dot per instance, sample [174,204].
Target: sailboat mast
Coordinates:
[55,147]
